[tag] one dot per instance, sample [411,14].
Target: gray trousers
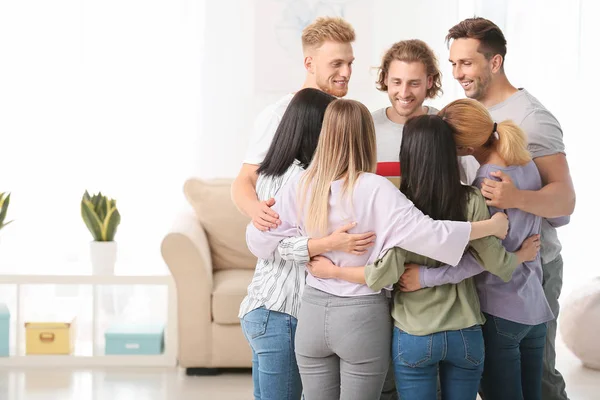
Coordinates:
[343,345]
[553,384]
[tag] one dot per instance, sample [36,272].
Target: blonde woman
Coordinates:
[344,329]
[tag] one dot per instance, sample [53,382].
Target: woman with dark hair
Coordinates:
[269,312]
[436,329]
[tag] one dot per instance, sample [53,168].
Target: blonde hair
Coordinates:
[327,29]
[411,51]
[474,127]
[346,149]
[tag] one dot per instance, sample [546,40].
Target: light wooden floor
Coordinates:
[172,384]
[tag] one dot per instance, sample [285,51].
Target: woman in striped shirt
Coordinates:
[268,313]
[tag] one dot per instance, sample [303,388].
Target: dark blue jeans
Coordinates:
[514,360]
[458,355]
[274,369]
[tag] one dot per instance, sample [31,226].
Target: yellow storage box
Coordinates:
[50,337]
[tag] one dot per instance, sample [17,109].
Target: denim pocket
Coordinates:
[510,329]
[412,350]
[474,344]
[254,323]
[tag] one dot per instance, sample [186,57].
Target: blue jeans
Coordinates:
[514,360]
[274,369]
[457,354]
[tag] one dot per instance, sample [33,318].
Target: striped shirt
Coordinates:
[278,281]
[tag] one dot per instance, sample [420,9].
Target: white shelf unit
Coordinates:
[95,357]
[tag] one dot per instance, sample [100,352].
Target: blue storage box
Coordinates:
[4,330]
[124,339]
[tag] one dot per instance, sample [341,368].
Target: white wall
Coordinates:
[100,96]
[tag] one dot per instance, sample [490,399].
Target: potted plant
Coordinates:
[102,218]
[4,202]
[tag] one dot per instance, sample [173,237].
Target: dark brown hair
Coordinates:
[491,39]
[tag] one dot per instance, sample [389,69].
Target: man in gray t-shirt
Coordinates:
[477,55]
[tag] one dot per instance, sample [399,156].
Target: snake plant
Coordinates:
[101,216]
[4,202]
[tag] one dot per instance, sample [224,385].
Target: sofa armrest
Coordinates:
[185,248]
[186,252]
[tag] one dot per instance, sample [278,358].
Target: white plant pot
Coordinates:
[104,257]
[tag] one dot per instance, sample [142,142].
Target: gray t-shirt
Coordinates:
[544,137]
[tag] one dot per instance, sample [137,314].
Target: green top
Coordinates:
[448,307]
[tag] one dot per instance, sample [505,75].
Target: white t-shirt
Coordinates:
[389,139]
[389,135]
[468,166]
[265,126]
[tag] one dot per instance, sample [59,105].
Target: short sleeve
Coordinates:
[544,134]
[264,131]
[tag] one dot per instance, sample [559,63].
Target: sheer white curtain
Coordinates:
[553,52]
[98,96]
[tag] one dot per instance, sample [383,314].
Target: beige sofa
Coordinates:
[212,268]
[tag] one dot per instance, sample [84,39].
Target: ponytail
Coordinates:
[511,144]
[473,127]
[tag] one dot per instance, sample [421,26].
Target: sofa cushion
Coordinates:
[224,225]
[229,289]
